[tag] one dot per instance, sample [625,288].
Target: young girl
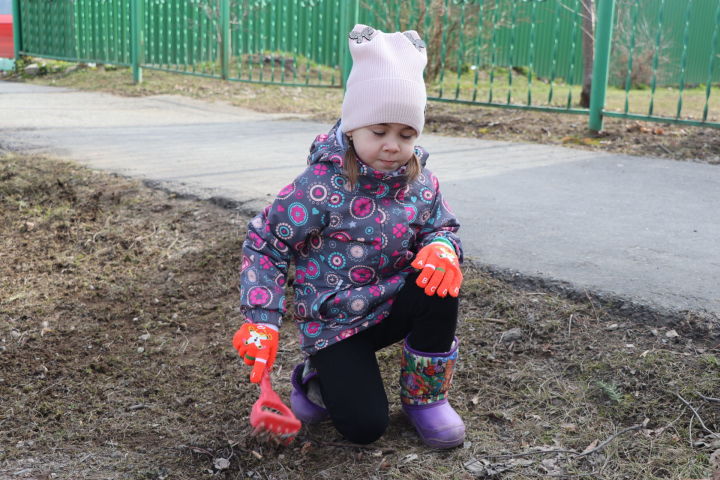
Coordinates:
[376,258]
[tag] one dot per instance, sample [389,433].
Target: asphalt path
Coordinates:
[638,229]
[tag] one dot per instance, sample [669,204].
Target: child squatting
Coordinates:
[377,259]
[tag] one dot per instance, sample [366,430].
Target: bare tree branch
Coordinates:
[697,415]
[709,399]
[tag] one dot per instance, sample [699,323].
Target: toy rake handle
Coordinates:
[270,399]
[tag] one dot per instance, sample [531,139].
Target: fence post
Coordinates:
[349,13]
[17,29]
[136,43]
[601,64]
[225,38]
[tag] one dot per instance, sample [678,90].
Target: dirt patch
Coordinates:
[117,304]
[677,142]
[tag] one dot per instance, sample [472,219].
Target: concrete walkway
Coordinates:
[645,230]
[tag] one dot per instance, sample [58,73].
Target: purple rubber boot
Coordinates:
[424,383]
[305,398]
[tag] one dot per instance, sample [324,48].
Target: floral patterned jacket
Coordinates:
[352,246]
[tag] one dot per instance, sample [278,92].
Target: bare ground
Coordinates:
[117,304]
[631,137]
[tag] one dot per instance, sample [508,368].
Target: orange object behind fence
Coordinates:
[7,48]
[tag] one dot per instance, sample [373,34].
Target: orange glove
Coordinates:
[439,270]
[257,344]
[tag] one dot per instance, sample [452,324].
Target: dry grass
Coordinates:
[118,302]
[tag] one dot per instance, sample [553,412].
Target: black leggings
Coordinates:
[349,375]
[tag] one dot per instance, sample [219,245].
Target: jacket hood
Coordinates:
[328,148]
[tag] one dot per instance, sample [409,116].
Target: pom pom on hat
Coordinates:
[386,82]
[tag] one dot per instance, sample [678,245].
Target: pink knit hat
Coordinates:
[386,81]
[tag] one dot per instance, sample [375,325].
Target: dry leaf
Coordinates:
[410,458]
[592,445]
[551,467]
[638,127]
[653,432]
[221,463]
[570,427]
[45,328]
[715,460]
[590,141]
[484,469]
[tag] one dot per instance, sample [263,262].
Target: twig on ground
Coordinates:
[177,237]
[495,320]
[697,415]
[529,454]
[102,230]
[200,450]
[674,421]
[690,435]
[575,453]
[660,430]
[82,460]
[514,119]
[613,437]
[597,317]
[709,399]
[664,149]
[49,387]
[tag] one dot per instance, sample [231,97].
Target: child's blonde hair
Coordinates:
[351,169]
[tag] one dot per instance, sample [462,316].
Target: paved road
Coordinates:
[642,229]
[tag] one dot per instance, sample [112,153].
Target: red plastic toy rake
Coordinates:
[270,417]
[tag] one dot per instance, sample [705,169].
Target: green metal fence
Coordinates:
[662,66]
[665,61]
[76,30]
[479,42]
[291,42]
[655,60]
[288,42]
